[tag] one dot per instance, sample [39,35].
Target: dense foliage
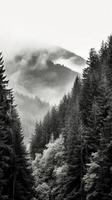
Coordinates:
[83,124]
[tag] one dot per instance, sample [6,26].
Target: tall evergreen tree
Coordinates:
[73,182]
[98,176]
[23,181]
[6,151]
[90,84]
[16,181]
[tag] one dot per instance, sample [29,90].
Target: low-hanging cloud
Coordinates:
[33,74]
[38,82]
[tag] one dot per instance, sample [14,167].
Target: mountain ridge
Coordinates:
[37,74]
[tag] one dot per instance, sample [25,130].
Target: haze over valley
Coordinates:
[40,78]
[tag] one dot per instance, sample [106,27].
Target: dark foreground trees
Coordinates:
[16,181]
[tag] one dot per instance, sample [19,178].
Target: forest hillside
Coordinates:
[70,154]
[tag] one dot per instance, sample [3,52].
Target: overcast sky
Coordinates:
[76,25]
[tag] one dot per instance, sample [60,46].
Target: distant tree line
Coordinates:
[72,147]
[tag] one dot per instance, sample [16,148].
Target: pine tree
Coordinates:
[6,151]
[98,176]
[109,59]
[90,84]
[89,105]
[73,182]
[23,181]
[16,181]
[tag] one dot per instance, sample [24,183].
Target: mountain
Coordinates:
[39,79]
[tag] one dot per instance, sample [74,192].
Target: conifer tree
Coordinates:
[109,59]
[89,88]
[89,105]
[16,181]
[23,181]
[73,182]
[6,151]
[98,176]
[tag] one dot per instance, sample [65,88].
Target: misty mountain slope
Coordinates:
[69,59]
[59,53]
[30,110]
[39,81]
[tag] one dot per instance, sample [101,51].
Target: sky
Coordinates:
[76,25]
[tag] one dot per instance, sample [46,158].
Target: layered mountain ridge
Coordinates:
[40,78]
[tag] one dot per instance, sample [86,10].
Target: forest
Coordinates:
[70,154]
